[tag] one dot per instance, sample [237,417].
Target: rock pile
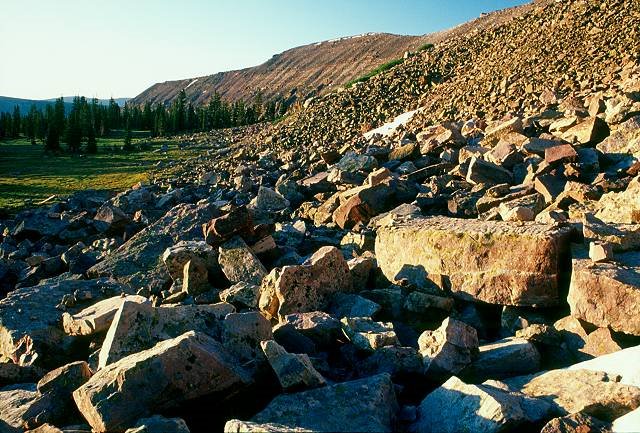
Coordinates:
[440,279]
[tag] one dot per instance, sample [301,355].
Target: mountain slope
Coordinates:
[553,46]
[312,69]
[8,103]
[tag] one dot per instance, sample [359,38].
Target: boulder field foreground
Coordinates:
[475,269]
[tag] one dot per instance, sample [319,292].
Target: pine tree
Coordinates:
[15,122]
[92,145]
[127,138]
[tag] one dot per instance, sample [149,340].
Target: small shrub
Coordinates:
[425,47]
[376,71]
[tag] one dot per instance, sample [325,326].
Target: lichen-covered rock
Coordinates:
[239,264]
[138,261]
[361,405]
[504,358]
[96,318]
[448,349]
[621,207]
[368,335]
[293,370]
[307,287]
[188,366]
[468,256]
[606,294]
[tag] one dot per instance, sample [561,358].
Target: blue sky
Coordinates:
[118,48]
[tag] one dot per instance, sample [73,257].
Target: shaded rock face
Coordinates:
[29,319]
[607,294]
[467,257]
[448,349]
[172,371]
[138,261]
[239,264]
[361,405]
[293,370]
[307,287]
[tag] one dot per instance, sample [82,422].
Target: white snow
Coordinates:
[344,38]
[388,128]
[629,423]
[191,83]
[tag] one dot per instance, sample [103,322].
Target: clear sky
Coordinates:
[119,48]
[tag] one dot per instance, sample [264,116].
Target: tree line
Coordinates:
[79,126]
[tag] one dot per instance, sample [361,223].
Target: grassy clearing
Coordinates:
[29,175]
[376,71]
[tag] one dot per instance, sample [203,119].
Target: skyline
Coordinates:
[73,48]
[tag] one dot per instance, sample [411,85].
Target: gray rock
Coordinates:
[293,370]
[504,358]
[368,335]
[159,424]
[239,264]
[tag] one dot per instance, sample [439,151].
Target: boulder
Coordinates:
[223,228]
[481,171]
[361,405]
[96,318]
[623,142]
[159,424]
[293,370]
[176,256]
[195,277]
[318,326]
[368,335]
[576,423]
[242,333]
[621,207]
[571,391]
[138,261]
[495,132]
[622,364]
[138,326]
[590,131]
[239,263]
[467,257]
[352,305]
[307,287]
[30,321]
[508,357]
[242,293]
[111,218]
[237,426]
[173,371]
[606,294]
[269,200]
[448,349]
[15,402]
[456,406]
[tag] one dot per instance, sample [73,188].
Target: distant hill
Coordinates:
[313,69]
[8,103]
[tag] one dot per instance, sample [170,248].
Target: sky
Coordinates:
[118,48]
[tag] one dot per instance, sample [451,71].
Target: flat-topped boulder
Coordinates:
[30,320]
[490,261]
[606,293]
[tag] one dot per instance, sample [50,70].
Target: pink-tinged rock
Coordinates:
[172,371]
[490,261]
[96,318]
[307,287]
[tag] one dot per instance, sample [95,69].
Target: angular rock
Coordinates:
[111,217]
[620,364]
[223,228]
[576,423]
[176,256]
[352,305]
[269,200]
[172,371]
[361,405]
[485,172]
[368,335]
[606,294]
[494,133]
[237,426]
[30,322]
[308,287]
[504,358]
[15,402]
[96,318]
[137,262]
[242,293]
[318,326]
[456,406]
[195,277]
[448,349]
[623,142]
[561,153]
[159,424]
[242,334]
[293,370]
[137,327]
[239,264]
[467,257]
[590,131]
[573,391]
[600,252]
[621,207]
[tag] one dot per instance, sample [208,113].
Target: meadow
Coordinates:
[29,175]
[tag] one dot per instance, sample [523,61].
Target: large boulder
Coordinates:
[186,367]
[504,358]
[293,370]
[30,321]
[138,261]
[572,391]
[138,326]
[468,257]
[623,363]
[239,264]
[448,349]
[96,318]
[361,405]
[307,287]
[456,406]
[621,207]
[607,293]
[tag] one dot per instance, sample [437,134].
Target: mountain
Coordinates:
[8,103]
[311,69]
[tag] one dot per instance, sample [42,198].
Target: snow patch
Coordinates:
[191,83]
[344,38]
[388,128]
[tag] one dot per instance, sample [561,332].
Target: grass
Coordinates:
[380,69]
[425,47]
[28,174]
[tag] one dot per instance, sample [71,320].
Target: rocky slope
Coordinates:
[477,274]
[301,72]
